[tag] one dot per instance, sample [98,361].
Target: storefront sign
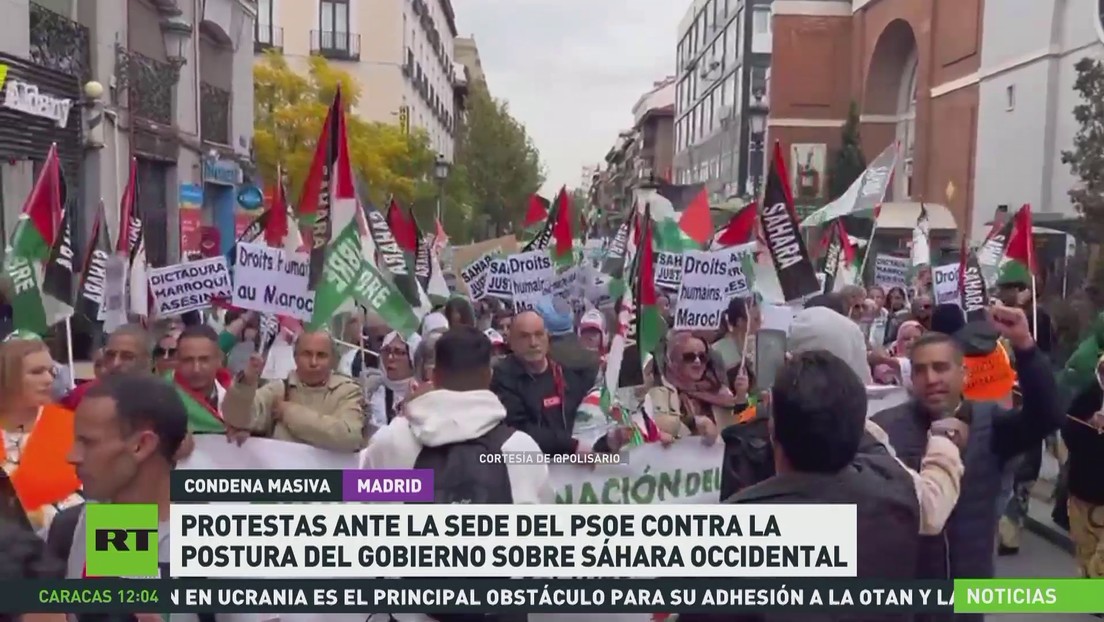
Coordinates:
[221,172]
[26,98]
[191,221]
[250,197]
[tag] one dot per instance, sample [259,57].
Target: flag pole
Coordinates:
[69,351]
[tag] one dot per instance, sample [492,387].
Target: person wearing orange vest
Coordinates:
[37,433]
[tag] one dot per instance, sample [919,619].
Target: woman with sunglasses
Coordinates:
[692,398]
[164,353]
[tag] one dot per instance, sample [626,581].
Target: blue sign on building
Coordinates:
[250,197]
[221,172]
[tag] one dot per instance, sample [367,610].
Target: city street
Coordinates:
[1038,558]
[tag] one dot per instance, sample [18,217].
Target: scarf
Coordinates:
[897,349]
[203,417]
[399,388]
[708,390]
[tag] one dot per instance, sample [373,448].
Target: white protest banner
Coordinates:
[945,284]
[668,270]
[738,286]
[890,271]
[531,273]
[703,297]
[499,284]
[686,472]
[565,285]
[475,275]
[189,286]
[272,280]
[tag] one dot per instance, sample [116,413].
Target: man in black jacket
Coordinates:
[541,396]
[817,426]
[966,548]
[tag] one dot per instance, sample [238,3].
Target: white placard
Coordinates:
[668,270]
[703,293]
[568,285]
[272,280]
[499,284]
[739,286]
[945,284]
[189,286]
[531,273]
[475,275]
[890,271]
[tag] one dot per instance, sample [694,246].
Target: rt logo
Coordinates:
[121,540]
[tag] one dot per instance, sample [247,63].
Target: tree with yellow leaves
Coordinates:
[288,110]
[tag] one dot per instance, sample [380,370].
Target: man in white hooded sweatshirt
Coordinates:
[457,407]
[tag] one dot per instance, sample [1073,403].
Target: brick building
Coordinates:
[911,65]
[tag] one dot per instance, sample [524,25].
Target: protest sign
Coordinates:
[740,284]
[989,377]
[474,276]
[945,284]
[668,270]
[271,280]
[975,298]
[891,271]
[499,284]
[190,286]
[566,285]
[703,295]
[530,273]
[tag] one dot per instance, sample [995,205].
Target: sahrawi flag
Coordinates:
[1018,267]
[648,328]
[328,200]
[992,248]
[680,215]
[62,268]
[392,261]
[137,274]
[35,233]
[348,274]
[536,215]
[865,195]
[556,233]
[281,229]
[921,240]
[841,262]
[90,294]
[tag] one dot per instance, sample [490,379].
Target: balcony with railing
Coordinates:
[335,45]
[214,112]
[148,85]
[268,37]
[59,43]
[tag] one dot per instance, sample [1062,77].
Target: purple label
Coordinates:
[387,485]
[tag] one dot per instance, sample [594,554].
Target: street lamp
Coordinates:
[757,128]
[441,173]
[177,32]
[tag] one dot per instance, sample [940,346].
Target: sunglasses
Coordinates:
[690,357]
[160,352]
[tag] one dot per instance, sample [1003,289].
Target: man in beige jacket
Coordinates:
[313,405]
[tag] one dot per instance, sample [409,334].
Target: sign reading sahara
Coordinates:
[891,271]
[668,270]
[945,284]
[474,276]
[531,273]
[190,286]
[271,280]
[702,296]
[121,540]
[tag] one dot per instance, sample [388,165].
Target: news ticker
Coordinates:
[1043,596]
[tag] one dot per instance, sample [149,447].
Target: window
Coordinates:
[761,21]
[264,22]
[1010,97]
[333,21]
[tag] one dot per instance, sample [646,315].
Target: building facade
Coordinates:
[400,51]
[723,61]
[1026,100]
[467,54]
[168,83]
[912,68]
[654,123]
